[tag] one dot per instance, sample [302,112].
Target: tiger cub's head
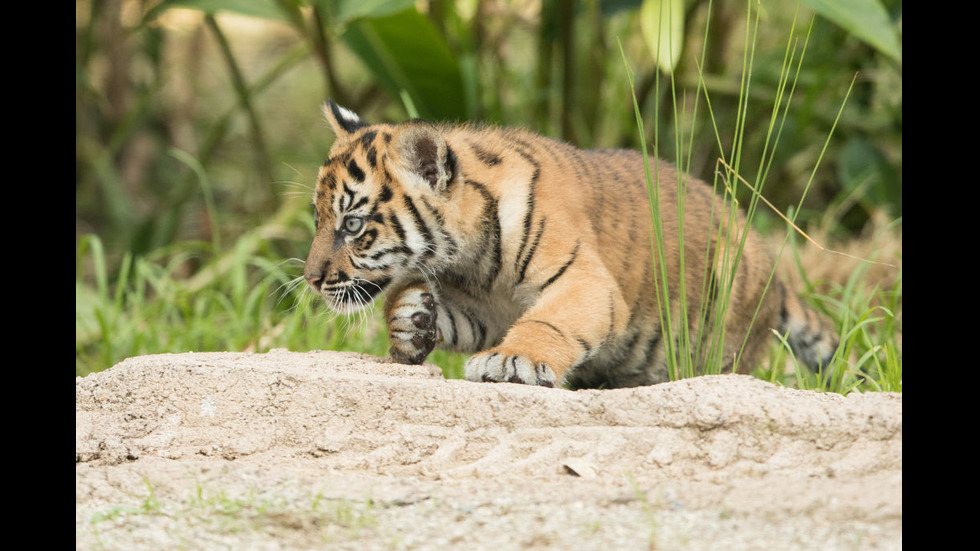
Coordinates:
[377,205]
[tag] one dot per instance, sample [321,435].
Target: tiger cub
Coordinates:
[536,256]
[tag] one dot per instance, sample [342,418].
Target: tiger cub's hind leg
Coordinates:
[811,335]
[411,317]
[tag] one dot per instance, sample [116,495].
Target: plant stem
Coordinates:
[262,158]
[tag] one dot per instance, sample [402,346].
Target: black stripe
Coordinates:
[491,231]
[347,199]
[367,138]
[361,201]
[385,194]
[564,267]
[388,250]
[488,158]
[396,226]
[650,345]
[367,239]
[355,171]
[629,345]
[452,326]
[497,229]
[527,231]
[451,165]
[531,250]
[420,225]
[483,333]
[525,151]
[546,324]
[478,330]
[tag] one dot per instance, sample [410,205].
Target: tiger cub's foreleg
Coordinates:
[411,315]
[519,359]
[567,325]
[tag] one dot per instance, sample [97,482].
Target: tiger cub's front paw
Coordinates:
[412,327]
[496,367]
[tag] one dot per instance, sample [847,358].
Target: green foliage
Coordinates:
[398,45]
[865,19]
[407,55]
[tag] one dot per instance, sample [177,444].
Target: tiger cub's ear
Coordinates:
[424,156]
[343,120]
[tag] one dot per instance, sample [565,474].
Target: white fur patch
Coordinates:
[349,115]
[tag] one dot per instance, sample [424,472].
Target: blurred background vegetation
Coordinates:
[198,130]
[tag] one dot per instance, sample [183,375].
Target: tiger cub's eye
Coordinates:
[353,224]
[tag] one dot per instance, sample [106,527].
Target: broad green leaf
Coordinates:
[867,20]
[662,23]
[263,9]
[405,54]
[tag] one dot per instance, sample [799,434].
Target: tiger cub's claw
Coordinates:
[496,367]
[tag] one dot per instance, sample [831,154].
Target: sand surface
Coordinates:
[327,450]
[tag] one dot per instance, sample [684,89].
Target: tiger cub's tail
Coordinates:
[810,334]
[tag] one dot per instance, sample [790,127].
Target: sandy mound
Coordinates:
[329,450]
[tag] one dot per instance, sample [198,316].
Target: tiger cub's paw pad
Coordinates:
[412,327]
[493,367]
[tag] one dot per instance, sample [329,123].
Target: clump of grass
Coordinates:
[149,306]
[869,356]
[247,299]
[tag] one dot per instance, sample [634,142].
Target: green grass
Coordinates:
[152,307]
[239,301]
[314,519]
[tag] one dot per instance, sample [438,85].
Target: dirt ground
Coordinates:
[327,450]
